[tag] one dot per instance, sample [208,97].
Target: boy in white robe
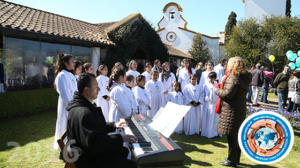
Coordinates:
[103,95]
[141,96]
[166,78]
[177,97]
[210,119]
[147,72]
[192,120]
[129,83]
[154,89]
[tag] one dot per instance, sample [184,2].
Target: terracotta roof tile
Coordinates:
[20,17]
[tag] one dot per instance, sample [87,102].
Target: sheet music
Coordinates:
[167,119]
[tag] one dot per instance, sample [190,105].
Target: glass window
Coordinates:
[82,54]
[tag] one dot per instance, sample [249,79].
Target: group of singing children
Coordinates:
[123,94]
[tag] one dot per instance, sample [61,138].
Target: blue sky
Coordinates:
[204,16]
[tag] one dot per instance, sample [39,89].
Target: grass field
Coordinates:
[35,133]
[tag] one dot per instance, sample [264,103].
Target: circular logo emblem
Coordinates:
[266,137]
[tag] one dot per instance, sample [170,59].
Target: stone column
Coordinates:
[95,59]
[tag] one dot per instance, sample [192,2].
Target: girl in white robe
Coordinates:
[177,97]
[193,95]
[120,104]
[185,73]
[147,72]
[204,76]
[210,119]
[167,78]
[103,95]
[141,95]
[77,69]
[132,69]
[154,89]
[129,83]
[66,85]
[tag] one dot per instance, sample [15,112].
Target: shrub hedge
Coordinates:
[21,103]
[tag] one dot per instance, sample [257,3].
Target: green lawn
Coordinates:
[35,136]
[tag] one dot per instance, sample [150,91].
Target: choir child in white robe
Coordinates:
[185,73]
[120,104]
[141,95]
[66,85]
[132,69]
[129,83]
[103,95]
[77,69]
[177,97]
[210,119]
[220,70]
[147,72]
[88,68]
[154,89]
[204,77]
[167,78]
[193,94]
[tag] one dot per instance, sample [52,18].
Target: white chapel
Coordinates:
[173,31]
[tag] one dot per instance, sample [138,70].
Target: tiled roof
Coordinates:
[24,18]
[176,52]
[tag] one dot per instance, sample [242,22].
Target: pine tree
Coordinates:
[199,51]
[230,24]
[288,8]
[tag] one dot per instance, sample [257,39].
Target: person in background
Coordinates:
[157,66]
[141,95]
[292,90]
[204,77]
[209,118]
[281,85]
[120,105]
[117,65]
[65,85]
[89,130]
[258,77]
[185,73]
[267,82]
[132,69]
[154,89]
[219,69]
[147,72]
[130,83]
[193,94]
[88,68]
[177,97]
[249,94]
[179,68]
[103,95]
[198,71]
[166,78]
[77,69]
[173,67]
[231,106]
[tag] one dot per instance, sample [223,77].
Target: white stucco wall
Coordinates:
[261,8]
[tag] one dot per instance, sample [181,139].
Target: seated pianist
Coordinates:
[86,125]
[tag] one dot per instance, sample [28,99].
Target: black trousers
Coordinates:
[234,151]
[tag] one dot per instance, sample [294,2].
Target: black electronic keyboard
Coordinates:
[152,148]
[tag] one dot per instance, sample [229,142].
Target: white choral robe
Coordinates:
[154,90]
[100,101]
[184,77]
[167,86]
[178,98]
[66,85]
[142,99]
[192,120]
[133,73]
[204,78]
[210,119]
[120,103]
[147,75]
[132,101]
[219,69]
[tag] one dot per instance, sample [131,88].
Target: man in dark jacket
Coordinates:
[88,130]
[281,85]
[258,77]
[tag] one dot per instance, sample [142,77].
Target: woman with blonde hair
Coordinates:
[232,96]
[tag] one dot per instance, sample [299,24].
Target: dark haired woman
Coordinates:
[88,68]
[65,84]
[77,69]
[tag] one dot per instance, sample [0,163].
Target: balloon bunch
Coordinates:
[295,58]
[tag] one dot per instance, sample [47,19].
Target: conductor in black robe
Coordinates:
[89,132]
